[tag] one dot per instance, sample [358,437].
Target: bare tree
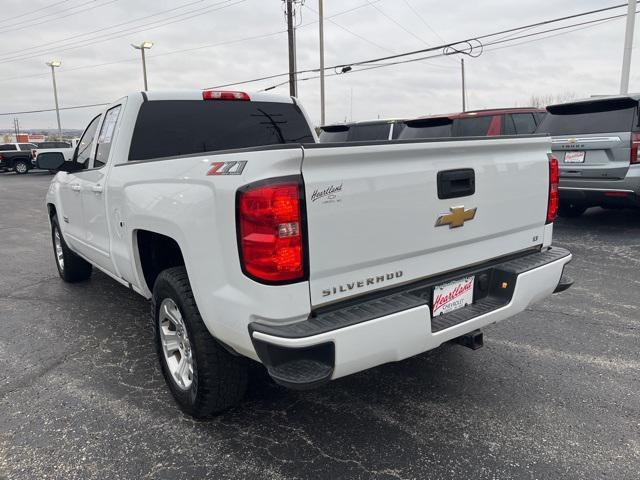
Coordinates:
[541,101]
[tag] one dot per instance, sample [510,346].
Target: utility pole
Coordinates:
[628,47]
[16,127]
[464,92]
[54,64]
[321,18]
[291,33]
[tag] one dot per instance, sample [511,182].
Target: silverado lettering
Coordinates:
[361,283]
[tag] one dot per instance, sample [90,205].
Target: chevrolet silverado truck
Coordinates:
[253,241]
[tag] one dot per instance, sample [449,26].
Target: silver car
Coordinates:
[596,143]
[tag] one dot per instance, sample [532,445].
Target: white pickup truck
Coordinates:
[66,148]
[318,260]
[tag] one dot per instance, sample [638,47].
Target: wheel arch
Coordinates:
[155,252]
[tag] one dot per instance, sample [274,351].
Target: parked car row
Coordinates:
[21,157]
[478,123]
[16,157]
[596,141]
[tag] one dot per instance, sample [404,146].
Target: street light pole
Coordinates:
[321,15]
[628,47]
[142,47]
[53,64]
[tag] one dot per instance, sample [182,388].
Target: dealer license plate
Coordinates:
[574,157]
[452,296]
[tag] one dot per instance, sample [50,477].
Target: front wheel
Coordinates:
[71,267]
[570,210]
[20,167]
[204,378]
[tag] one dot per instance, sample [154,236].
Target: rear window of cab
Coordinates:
[167,128]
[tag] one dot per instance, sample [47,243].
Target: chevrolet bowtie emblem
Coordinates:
[456,218]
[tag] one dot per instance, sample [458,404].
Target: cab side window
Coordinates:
[85,143]
[106,136]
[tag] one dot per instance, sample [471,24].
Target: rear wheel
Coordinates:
[204,378]
[71,267]
[20,167]
[570,210]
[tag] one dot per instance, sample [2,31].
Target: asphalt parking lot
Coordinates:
[554,394]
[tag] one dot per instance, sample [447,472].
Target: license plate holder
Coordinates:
[453,295]
[574,157]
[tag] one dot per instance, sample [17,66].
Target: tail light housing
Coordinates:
[635,142]
[554,197]
[271,230]
[225,95]
[33,153]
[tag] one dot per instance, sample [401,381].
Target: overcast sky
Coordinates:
[81,34]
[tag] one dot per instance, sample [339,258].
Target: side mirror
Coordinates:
[50,161]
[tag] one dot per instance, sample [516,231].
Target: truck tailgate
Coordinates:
[372,210]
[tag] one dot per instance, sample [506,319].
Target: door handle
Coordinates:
[76,187]
[97,188]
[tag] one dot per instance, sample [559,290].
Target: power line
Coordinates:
[417,14]
[63,40]
[182,50]
[481,37]
[370,64]
[172,52]
[34,11]
[371,42]
[124,32]
[421,40]
[53,109]
[49,17]
[442,47]
[426,24]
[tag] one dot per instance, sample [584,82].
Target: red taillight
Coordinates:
[33,153]
[270,229]
[554,179]
[635,141]
[224,95]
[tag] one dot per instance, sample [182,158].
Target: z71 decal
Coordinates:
[226,168]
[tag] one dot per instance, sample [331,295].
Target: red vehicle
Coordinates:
[478,123]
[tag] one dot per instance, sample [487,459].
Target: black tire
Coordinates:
[72,269]
[219,378]
[570,210]
[21,167]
